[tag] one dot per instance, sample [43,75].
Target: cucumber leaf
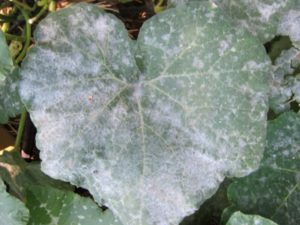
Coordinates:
[273,191]
[150,127]
[239,218]
[19,175]
[10,103]
[284,84]
[12,210]
[49,206]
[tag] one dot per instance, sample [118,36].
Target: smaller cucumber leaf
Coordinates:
[239,218]
[49,205]
[19,175]
[274,190]
[12,210]
[284,85]
[10,102]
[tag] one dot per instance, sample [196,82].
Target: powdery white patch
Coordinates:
[260,18]
[290,26]
[105,26]
[198,63]
[224,45]
[267,10]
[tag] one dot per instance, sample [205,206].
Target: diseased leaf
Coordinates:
[9,77]
[50,206]
[151,127]
[284,85]
[273,191]
[12,210]
[239,218]
[260,17]
[290,26]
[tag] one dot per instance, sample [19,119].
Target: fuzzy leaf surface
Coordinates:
[12,210]
[273,191]
[290,26]
[150,127]
[285,86]
[9,79]
[50,206]
[239,218]
[260,17]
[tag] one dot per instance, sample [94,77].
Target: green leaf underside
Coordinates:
[9,77]
[239,218]
[150,127]
[273,191]
[51,206]
[12,210]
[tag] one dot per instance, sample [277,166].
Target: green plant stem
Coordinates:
[14,37]
[21,128]
[40,13]
[22,5]
[27,36]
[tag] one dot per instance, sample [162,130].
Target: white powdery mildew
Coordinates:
[267,10]
[290,26]
[151,144]
[261,18]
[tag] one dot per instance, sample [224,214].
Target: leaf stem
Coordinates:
[40,13]
[27,36]
[14,37]
[22,5]
[21,128]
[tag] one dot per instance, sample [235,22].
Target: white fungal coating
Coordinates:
[152,129]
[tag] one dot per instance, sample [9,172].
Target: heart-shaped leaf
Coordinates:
[10,103]
[273,191]
[150,127]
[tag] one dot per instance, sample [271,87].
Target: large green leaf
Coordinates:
[151,127]
[239,218]
[273,191]
[50,206]
[9,77]
[12,210]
